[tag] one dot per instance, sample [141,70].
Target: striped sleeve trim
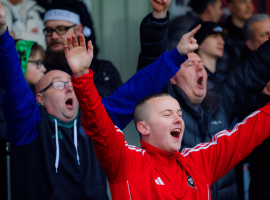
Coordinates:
[185,152]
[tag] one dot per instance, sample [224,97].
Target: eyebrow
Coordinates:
[168,110]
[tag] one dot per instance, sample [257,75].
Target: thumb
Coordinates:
[90,48]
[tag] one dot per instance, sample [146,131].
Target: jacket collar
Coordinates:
[160,157]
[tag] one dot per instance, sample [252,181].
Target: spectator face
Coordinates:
[241,9]
[192,78]
[60,103]
[34,72]
[166,126]
[261,33]
[56,42]
[212,45]
[215,11]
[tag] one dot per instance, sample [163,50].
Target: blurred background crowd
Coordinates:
[231,31]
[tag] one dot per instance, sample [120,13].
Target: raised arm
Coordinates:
[110,147]
[18,103]
[248,79]
[152,78]
[227,148]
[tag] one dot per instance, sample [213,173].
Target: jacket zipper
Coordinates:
[208,190]
[172,174]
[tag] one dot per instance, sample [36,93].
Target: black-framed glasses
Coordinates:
[60,30]
[58,85]
[39,63]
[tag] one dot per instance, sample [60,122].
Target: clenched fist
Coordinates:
[160,8]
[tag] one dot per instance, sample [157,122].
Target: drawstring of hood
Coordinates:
[57,157]
[76,140]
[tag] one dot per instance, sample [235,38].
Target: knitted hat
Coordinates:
[76,12]
[24,48]
[208,28]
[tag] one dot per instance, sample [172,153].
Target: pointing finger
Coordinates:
[75,41]
[194,31]
[69,43]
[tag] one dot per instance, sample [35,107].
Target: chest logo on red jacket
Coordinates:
[190,181]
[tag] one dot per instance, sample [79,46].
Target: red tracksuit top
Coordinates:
[149,173]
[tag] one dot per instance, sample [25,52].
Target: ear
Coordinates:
[143,128]
[79,29]
[208,9]
[39,98]
[173,80]
[250,45]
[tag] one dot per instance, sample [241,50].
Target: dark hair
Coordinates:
[199,6]
[37,48]
[141,110]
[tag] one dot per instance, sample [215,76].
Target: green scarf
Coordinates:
[24,48]
[64,124]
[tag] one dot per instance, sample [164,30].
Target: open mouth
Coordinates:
[176,133]
[69,103]
[200,81]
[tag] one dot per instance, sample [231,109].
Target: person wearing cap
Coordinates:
[235,48]
[207,112]
[202,10]
[211,45]
[63,19]
[53,157]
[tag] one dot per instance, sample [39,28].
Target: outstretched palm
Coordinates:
[78,58]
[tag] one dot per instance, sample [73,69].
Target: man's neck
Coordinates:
[209,62]
[238,22]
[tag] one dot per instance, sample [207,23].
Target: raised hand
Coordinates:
[3,25]
[160,8]
[188,43]
[78,58]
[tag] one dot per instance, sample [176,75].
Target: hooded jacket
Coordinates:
[150,173]
[221,103]
[41,149]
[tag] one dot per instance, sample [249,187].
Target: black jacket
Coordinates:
[220,104]
[34,161]
[259,159]
[235,48]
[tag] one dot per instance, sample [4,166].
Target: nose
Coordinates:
[68,88]
[178,119]
[43,69]
[54,35]
[221,41]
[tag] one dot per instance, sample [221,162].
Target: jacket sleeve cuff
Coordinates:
[176,58]
[89,75]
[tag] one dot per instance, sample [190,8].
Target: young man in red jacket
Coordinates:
[158,170]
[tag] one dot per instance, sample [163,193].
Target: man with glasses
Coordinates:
[51,157]
[62,20]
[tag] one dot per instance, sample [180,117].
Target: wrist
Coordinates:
[76,75]
[159,15]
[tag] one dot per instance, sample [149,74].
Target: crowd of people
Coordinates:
[63,110]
